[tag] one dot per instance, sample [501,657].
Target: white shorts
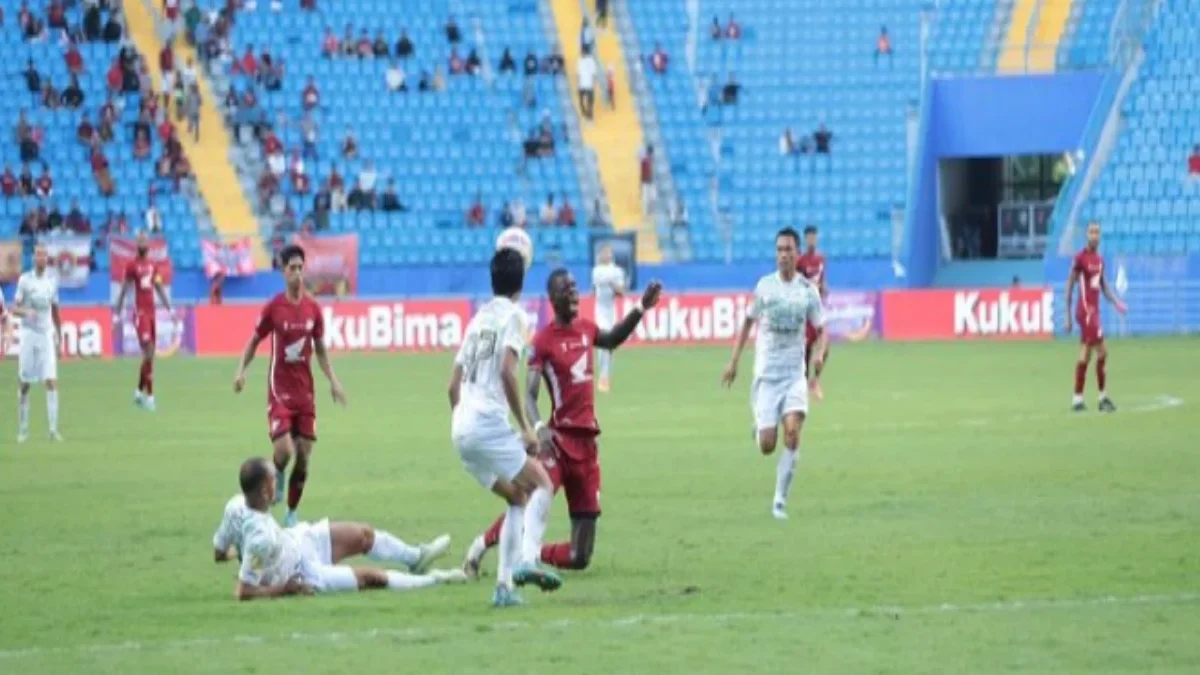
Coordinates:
[606,317]
[328,578]
[315,542]
[38,359]
[772,399]
[489,449]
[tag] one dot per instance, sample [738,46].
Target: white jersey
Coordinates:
[782,308]
[608,281]
[39,293]
[229,532]
[271,554]
[498,326]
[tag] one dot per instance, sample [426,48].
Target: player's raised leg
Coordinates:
[353,539]
[535,482]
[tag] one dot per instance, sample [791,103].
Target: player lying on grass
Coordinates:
[304,560]
[561,354]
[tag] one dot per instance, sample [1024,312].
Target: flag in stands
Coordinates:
[123,250]
[331,267]
[10,260]
[71,258]
[233,258]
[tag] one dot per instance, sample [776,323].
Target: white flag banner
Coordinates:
[70,258]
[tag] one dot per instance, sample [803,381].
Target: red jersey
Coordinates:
[812,267]
[1089,265]
[293,326]
[564,355]
[143,274]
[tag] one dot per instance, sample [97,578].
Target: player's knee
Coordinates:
[766,443]
[366,539]
[580,560]
[370,579]
[51,385]
[791,438]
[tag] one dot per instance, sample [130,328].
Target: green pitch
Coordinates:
[949,515]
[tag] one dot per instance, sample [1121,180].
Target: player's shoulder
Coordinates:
[767,281]
[583,325]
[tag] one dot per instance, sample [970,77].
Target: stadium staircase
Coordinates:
[1035,30]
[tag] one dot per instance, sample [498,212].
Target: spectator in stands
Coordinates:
[73,59]
[108,118]
[141,136]
[610,87]
[391,200]
[823,140]
[329,44]
[380,48]
[586,81]
[151,217]
[29,224]
[439,79]
[33,79]
[76,222]
[322,204]
[505,216]
[476,214]
[309,133]
[101,171]
[34,28]
[348,45]
[29,142]
[273,74]
[25,181]
[531,64]
[517,213]
[453,34]
[787,143]
[659,59]
[678,214]
[367,179]
[549,213]
[425,83]
[85,132]
[93,22]
[474,64]
[56,15]
[44,185]
[566,214]
[733,29]
[883,46]
[277,163]
[337,189]
[715,31]
[72,96]
[1194,161]
[54,219]
[248,64]
[395,77]
[456,65]
[601,13]
[404,46]
[364,49]
[191,109]
[51,99]
[587,37]
[301,183]
[507,63]
[166,59]
[349,145]
[268,185]
[171,10]
[555,64]
[646,173]
[311,98]
[8,182]
[731,91]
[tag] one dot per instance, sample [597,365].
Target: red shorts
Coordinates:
[578,478]
[282,420]
[1090,331]
[146,326]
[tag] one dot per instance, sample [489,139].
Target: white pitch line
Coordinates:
[634,620]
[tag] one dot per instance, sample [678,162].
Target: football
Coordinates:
[517,239]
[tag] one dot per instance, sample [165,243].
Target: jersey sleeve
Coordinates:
[816,312]
[54,292]
[19,294]
[591,330]
[1077,264]
[130,274]
[224,536]
[265,324]
[756,303]
[258,544]
[514,332]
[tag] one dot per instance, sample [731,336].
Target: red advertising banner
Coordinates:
[988,314]
[123,250]
[331,265]
[350,326]
[86,333]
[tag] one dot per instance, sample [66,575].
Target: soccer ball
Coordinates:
[517,239]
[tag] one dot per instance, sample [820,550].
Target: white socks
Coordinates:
[537,512]
[604,360]
[785,470]
[51,409]
[510,544]
[389,548]
[399,581]
[23,411]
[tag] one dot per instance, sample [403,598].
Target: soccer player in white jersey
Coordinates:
[303,560]
[608,282]
[36,304]
[783,303]
[483,391]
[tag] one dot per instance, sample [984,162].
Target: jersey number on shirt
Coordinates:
[482,348]
[579,372]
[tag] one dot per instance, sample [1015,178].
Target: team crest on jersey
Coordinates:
[308,325]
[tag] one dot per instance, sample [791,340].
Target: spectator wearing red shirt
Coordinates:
[171,10]
[76,222]
[646,173]
[44,186]
[457,65]
[566,214]
[166,60]
[329,46]
[248,64]
[883,45]
[1194,161]
[476,215]
[271,144]
[56,16]
[85,131]
[337,189]
[659,59]
[349,145]
[311,98]
[733,29]
[8,182]
[364,47]
[74,59]
[115,77]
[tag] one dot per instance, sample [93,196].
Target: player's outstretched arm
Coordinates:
[224,555]
[294,586]
[620,333]
[1072,279]
[339,395]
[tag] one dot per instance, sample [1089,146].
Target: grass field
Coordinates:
[950,516]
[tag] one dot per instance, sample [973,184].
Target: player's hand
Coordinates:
[729,375]
[653,291]
[239,383]
[545,439]
[339,394]
[530,441]
[1067,324]
[1120,307]
[296,586]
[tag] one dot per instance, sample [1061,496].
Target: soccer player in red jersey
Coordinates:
[562,354]
[293,321]
[811,265]
[1088,269]
[143,275]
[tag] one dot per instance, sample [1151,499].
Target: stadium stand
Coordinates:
[966,35]
[1086,41]
[798,65]
[34,40]
[1144,194]
[470,136]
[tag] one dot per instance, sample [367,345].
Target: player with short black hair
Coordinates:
[508,273]
[562,355]
[811,264]
[1088,267]
[296,326]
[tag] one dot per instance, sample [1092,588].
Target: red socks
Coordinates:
[1101,373]
[492,536]
[1081,376]
[296,487]
[558,555]
[146,378]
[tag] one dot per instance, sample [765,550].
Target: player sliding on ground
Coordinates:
[143,275]
[1089,267]
[561,355]
[784,303]
[294,322]
[304,560]
[36,304]
[483,391]
[811,265]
